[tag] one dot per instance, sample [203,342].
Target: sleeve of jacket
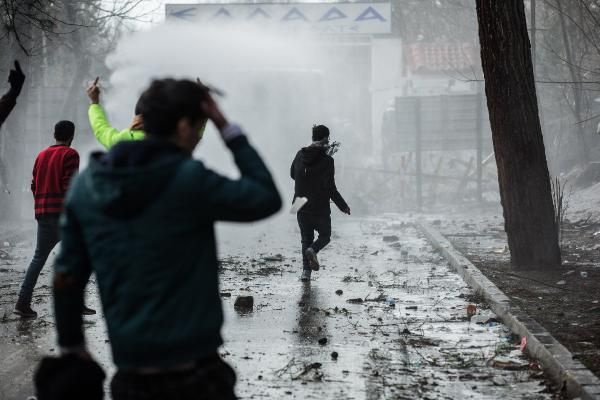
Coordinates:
[33,175]
[292,173]
[7,103]
[251,197]
[71,274]
[70,167]
[104,132]
[334,194]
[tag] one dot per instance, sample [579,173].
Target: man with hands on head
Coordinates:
[154,207]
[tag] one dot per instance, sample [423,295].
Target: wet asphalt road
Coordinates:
[399,326]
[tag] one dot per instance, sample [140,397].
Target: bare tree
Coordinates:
[59,43]
[569,51]
[22,19]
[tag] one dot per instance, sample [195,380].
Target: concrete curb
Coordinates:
[554,358]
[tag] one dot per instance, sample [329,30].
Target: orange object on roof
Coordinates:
[440,57]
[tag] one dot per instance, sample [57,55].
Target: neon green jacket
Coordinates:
[105,133]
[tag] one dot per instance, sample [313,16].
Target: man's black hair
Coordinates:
[166,102]
[64,131]
[138,107]
[319,132]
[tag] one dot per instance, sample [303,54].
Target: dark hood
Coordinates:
[127,179]
[312,155]
[313,158]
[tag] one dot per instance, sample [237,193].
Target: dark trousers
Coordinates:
[212,379]
[47,238]
[309,223]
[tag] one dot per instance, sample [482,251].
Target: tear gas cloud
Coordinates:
[277,86]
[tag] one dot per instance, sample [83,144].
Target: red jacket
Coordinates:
[52,172]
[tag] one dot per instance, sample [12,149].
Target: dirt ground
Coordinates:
[565,301]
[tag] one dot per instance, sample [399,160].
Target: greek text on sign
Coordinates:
[328,18]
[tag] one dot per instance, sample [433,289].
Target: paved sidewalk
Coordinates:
[399,327]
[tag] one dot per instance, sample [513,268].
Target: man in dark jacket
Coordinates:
[141,217]
[16,78]
[313,171]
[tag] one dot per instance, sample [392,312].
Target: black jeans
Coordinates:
[47,238]
[309,223]
[211,379]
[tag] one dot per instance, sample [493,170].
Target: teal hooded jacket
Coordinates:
[141,217]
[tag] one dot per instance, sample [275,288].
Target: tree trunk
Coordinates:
[517,135]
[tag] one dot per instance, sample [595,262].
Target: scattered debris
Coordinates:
[523,343]
[499,381]
[275,258]
[471,310]
[510,363]
[244,303]
[485,318]
[357,300]
[299,369]
[349,278]
[391,238]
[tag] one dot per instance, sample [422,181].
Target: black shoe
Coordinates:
[311,255]
[24,311]
[305,277]
[88,311]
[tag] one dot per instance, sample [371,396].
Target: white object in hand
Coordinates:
[298,203]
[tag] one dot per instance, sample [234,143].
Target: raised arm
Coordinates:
[334,194]
[253,196]
[103,131]
[16,78]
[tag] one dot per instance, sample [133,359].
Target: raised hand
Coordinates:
[93,91]
[16,78]
[210,108]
